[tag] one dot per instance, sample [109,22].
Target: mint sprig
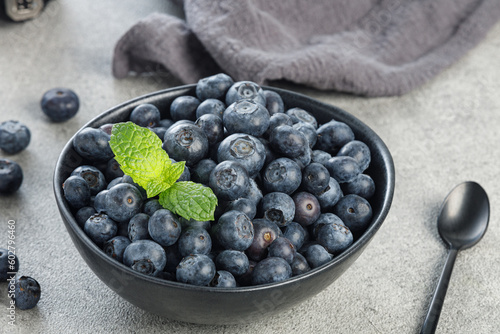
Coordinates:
[139,152]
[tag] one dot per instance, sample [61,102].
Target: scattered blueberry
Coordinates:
[60,104]
[26,292]
[93,145]
[11,178]
[14,137]
[9,263]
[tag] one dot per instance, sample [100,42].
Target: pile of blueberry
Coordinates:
[292,193]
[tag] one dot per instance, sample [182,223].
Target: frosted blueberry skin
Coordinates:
[200,172]
[100,228]
[355,211]
[271,270]
[299,115]
[246,117]
[244,205]
[83,214]
[332,136]
[233,261]
[26,292]
[244,149]
[274,102]
[123,201]
[76,192]
[282,247]
[299,265]
[309,131]
[115,247]
[93,176]
[223,279]
[14,137]
[229,180]
[146,115]
[288,141]
[245,90]
[212,127]
[362,185]
[11,178]
[184,108]
[234,230]
[145,256]
[213,87]
[330,196]
[211,106]
[359,151]
[60,104]
[295,233]
[93,145]
[334,237]
[186,142]
[317,255]
[315,178]
[278,208]
[137,227]
[327,218]
[164,227]
[5,266]
[196,269]
[343,168]
[194,240]
[320,156]
[282,175]
[100,201]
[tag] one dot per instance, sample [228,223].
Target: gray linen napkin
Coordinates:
[365,47]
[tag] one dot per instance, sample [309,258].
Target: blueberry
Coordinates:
[282,247]
[282,175]
[100,228]
[362,185]
[334,237]
[307,208]
[76,191]
[244,205]
[343,168]
[271,270]
[100,201]
[274,102]
[278,208]
[113,170]
[211,106]
[196,269]
[200,172]
[355,211]
[93,145]
[332,136]
[315,178]
[115,247]
[195,240]
[288,141]
[151,206]
[277,120]
[186,174]
[309,131]
[299,265]
[213,87]
[186,142]
[245,90]
[246,117]
[60,104]
[229,180]
[320,156]
[14,137]
[253,193]
[234,230]
[129,180]
[164,227]
[114,182]
[165,123]
[270,156]
[244,149]
[184,107]
[265,232]
[83,214]
[304,159]
[236,262]
[191,223]
[25,291]
[137,228]
[11,178]
[8,263]
[223,279]
[123,201]
[299,115]
[145,256]
[359,151]
[106,128]
[330,196]
[212,127]
[295,233]
[93,176]
[159,131]
[317,255]
[146,115]
[327,218]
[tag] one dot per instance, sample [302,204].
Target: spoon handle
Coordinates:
[432,318]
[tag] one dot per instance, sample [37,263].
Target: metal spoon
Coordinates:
[462,222]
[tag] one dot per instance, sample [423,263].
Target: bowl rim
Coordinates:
[362,241]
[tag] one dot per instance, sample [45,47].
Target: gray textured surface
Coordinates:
[441,134]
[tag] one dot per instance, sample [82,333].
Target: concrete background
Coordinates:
[441,134]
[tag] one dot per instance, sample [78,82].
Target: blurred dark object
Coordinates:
[22,10]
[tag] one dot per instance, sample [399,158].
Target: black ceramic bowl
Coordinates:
[208,305]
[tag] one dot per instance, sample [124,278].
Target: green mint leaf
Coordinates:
[190,200]
[139,152]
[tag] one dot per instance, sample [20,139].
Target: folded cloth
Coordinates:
[365,47]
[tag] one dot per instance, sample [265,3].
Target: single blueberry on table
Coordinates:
[223,279]
[164,227]
[100,228]
[146,115]
[271,270]
[233,261]
[330,196]
[137,228]
[229,180]
[184,108]
[11,177]
[359,151]
[212,127]
[315,178]
[234,230]
[196,269]
[186,142]
[60,104]
[265,232]
[332,136]
[145,256]
[211,106]
[9,263]
[282,247]
[14,137]
[93,176]
[278,208]
[26,292]
[115,247]
[307,208]
[213,87]
[194,240]
[244,149]
[76,191]
[93,145]
[299,115]
[274,102]
[245,90]
[355,211]
[362,185]
[281,175]
[123,201]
